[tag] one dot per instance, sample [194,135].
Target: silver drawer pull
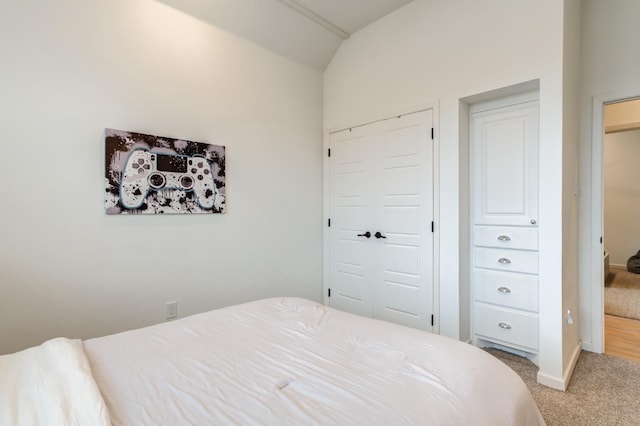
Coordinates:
[504,290]
[504,238]
[504,326]
[504,261]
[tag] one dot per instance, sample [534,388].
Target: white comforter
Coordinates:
[295,362]
[50,384]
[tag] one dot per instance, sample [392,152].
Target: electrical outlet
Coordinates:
[569,317]
[568,320]
[171,310]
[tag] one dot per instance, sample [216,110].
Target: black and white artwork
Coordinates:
[148,174]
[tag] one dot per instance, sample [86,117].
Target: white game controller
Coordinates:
[146,170]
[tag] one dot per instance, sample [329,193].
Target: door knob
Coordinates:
[366,235]
[379,235]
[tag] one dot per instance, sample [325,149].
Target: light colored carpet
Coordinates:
[622,294]
[604,391]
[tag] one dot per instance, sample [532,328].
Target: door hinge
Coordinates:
[329,293]
[329,152]
[600,240]
[433,227]
[432,320]
[329,223]
[432,133]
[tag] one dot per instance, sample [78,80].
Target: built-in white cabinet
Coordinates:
[504,223]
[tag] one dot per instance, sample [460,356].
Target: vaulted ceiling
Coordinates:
[306,31]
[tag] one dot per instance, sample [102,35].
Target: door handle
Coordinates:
[379,235]
[366,235]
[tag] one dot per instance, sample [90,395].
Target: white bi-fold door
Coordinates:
[381,213]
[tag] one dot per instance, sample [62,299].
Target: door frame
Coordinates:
[596,272]
[433,106]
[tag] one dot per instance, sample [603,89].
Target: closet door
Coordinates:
[381,183]
[403,292]
[352,215]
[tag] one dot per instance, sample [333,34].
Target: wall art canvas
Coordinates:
[148,174]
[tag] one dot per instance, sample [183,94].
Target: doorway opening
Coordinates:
[620,228]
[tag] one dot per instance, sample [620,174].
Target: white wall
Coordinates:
[444,51]
[610,69]
[622,196]
[70,69]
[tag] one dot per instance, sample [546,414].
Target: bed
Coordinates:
[279,361]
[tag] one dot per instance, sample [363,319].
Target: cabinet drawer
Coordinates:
[509,238]
[505,289]
[517,328]
[506,260]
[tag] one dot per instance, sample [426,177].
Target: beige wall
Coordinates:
[622,116]
[71,68]
[622,196]
[570,191]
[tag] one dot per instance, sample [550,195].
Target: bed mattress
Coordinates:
[288,361]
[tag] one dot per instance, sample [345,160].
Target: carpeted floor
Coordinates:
[622,294]
[621,278]
[604,391]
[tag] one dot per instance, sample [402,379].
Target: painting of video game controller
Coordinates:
[148,171]
[148,174]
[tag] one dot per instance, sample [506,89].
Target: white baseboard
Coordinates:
[588,346]
[552,382]
[556,382]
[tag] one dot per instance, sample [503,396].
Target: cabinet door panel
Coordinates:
[505,166]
